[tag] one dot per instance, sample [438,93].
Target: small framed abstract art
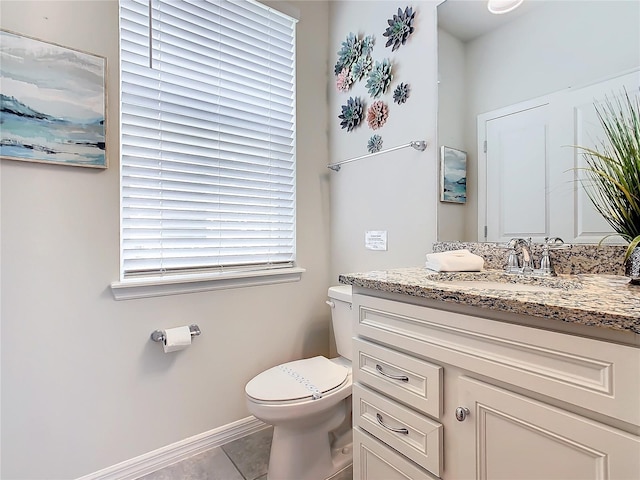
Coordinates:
[453,175]
[52,103]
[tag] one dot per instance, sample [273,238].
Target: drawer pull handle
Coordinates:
[402,378]
[404,431]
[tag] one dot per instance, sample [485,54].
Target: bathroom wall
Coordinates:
[395,192]
[83,388]
[452,98]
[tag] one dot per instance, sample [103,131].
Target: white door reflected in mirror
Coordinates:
[529,170]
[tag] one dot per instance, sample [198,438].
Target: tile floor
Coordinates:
[244,459]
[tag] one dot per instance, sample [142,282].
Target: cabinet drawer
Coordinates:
[414,435]
[411,380]
[593,374]
[373,460]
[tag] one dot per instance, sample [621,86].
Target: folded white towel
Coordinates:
[454,261]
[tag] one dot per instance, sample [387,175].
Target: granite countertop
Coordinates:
[594,300]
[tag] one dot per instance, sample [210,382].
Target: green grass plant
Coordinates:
[612,173]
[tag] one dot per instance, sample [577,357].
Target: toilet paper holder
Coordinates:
[158,335]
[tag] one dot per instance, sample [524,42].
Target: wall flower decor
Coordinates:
[399,29]
[349,52]
[379,78]
[344,80]
[361,68]
[367,45]
[401,93]
[377,114]
[352,113]
[374,144]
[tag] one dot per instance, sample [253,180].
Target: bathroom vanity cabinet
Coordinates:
[443,394]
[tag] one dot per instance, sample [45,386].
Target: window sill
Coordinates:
[157,287]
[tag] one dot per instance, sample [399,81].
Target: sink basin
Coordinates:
[508,287]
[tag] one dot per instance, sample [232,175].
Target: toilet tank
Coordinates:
[340,302]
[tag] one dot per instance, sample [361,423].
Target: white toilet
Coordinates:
[308,402]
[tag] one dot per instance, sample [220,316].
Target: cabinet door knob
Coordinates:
[461,413]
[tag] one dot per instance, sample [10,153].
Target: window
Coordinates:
[207,138]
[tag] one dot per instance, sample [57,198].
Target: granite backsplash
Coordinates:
[574,259]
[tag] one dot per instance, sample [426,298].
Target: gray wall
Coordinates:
[452,98]
[397,191]
[83,388]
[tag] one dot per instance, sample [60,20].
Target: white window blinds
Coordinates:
[207,136]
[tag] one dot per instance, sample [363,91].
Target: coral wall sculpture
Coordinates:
[348,53]
[374,144]
[344,80]
[401,93]
[367,45]
[361,68]
[379,78]
[399,29]
[352,113]
[355,63]
[377,114]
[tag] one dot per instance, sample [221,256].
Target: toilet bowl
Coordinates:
[308,402]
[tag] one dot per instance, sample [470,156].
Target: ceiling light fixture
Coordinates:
[503,6]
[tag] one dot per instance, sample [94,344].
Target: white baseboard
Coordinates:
[162,457]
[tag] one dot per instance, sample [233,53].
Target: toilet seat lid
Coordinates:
[297,380]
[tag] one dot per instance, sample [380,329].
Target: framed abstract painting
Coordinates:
[52,103]
[453,175]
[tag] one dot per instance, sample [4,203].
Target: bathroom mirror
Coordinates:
[488,63]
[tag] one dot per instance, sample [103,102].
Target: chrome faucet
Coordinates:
[546,265]
[520,262]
